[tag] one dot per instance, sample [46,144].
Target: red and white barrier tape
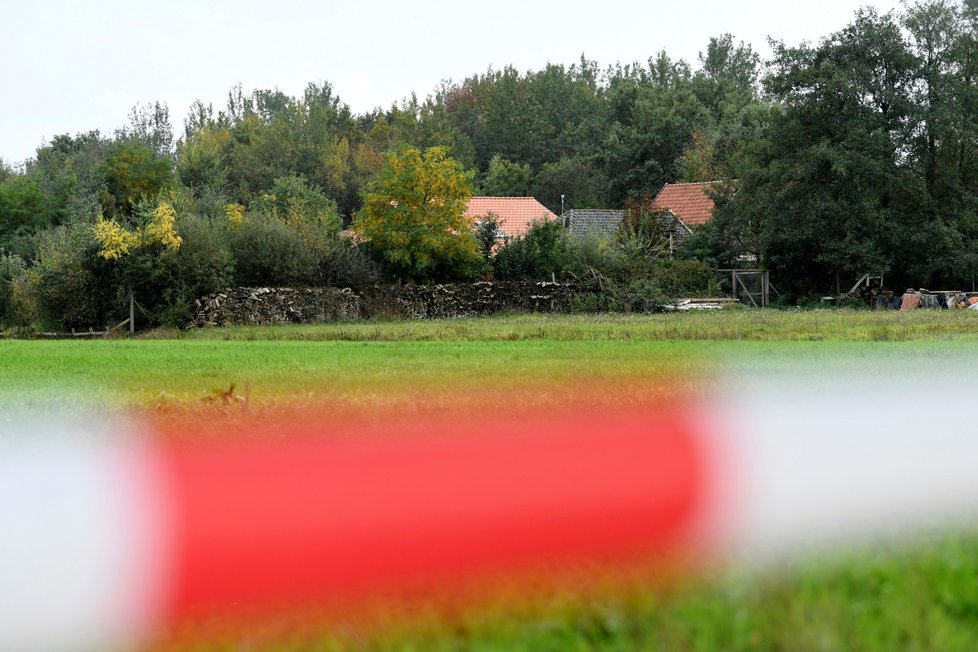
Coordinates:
[109,537]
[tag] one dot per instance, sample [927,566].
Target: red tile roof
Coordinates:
[515,214]
[689,201]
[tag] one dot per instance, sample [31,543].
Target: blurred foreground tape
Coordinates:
[115,531]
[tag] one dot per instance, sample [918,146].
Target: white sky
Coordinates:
[70,65]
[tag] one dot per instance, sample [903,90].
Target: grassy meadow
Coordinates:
[714,325]
[481,358]
[916,597]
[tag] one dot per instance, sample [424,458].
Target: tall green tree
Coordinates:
[728,76]
[21,207]
[150,124]
[531,118]
[202,154]
[134,173]
[506,179]
[570,183]
[727,84]
[835,186]
[654,116]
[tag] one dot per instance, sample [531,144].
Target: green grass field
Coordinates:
[725,325]
[918,597]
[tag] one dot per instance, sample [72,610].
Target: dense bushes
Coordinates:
[689,278]
[268,252]
[11,271]
[204,263]
[629,271]
[348,266]
[81,275]
[538,256]
[61,284]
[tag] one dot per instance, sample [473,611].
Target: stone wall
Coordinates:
[469,299]
[243,306]
[260,306]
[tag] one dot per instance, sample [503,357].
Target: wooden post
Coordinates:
[132,314]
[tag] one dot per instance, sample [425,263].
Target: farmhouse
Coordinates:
[685,206]
[513,214]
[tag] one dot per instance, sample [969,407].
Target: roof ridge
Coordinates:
[694,183]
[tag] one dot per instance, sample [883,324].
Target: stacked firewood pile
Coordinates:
[256,306]
[470,299]
[245,306]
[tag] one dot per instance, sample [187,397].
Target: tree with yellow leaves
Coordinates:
[413,217]
[116,241]
[139,258]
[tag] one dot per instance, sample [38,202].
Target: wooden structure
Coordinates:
[754,285]
[869,281]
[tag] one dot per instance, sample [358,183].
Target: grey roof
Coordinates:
[605,221]
[581,221]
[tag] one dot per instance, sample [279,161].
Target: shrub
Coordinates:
[69,285]
[206,201]
[486,232]
[202,265]
[538,256]
[685,278]
[348,266]
[23,303]
[292,198]
[305,209]
[148,274]
[642,295]
[11,269]
[268,252]
[595,253]
[643,231]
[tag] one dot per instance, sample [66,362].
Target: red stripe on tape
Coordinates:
[440,501]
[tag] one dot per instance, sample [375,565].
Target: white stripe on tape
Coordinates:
[81,547]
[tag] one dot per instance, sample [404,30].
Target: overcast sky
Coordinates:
[69,65]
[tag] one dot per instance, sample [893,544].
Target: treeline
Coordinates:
[856,154]
[868,160]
